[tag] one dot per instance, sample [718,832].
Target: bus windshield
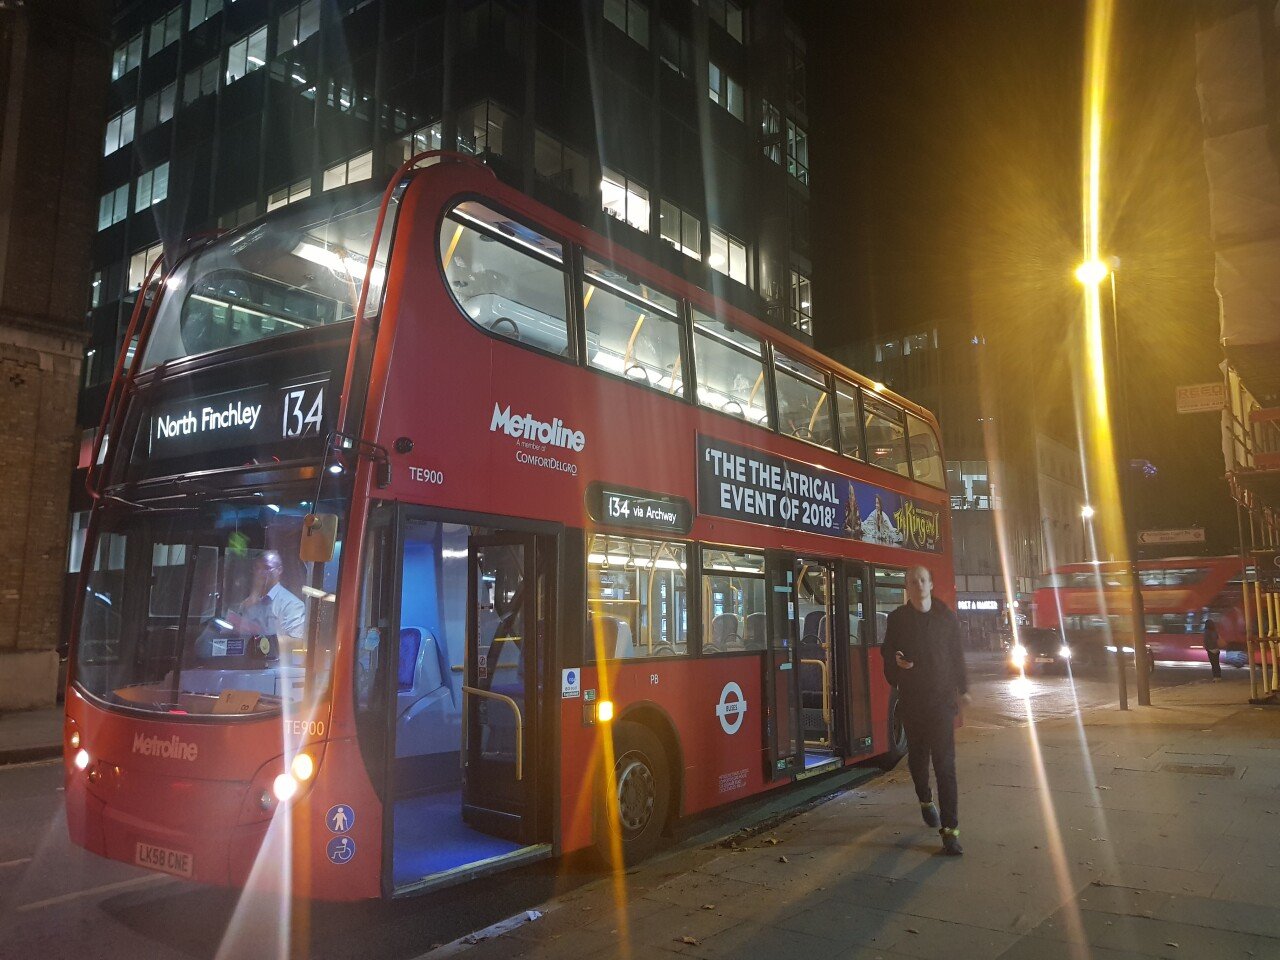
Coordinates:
[299,269]
[208,610]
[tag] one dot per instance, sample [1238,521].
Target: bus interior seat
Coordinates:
[756,631]
[815,628]
[725,632]
[612,637]
[424,700]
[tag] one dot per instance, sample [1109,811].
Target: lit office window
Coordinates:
[200,82]
[675,50]
[771,131]
[797,152]
[290,194]
[728,255]
[482,128]
[157,108]
[728,14]
[681,229]
[113,206]
[95,290]
[421,141]
[247,55]
[725,91]
[119,131]
[127,56]
[141,262]
[624,199]
[153,186]
[297,24]
[801,302]
[349,171]
[631,17]
[202,10]
[560,165]
[165,31]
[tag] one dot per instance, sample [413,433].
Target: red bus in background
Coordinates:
[1089,604]
[436,534]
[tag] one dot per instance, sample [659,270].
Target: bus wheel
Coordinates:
[897,738]
[640,798]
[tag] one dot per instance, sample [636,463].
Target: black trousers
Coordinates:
[1214,655]
[932,736]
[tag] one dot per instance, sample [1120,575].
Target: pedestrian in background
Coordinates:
[1211,647]
[924,660]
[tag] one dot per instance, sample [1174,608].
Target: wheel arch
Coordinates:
[660,724]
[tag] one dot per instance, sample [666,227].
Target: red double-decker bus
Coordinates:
[436,534]
[1089,604]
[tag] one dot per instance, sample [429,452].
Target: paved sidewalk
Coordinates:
[1149,834]
[30,735]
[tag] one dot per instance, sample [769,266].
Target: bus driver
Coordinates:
[268,611]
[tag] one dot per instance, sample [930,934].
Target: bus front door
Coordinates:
[463,683]
[500,689]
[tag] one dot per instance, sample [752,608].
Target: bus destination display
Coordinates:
[248,417]
[629,508]
[741,483]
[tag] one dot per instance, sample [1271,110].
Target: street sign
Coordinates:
[1200,398]
[1187,535]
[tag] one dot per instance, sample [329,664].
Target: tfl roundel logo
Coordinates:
[731,708]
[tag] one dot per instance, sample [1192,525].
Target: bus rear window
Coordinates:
[926,457]
[508,278]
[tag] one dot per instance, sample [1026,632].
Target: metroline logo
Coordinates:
[173,748]
[529,427]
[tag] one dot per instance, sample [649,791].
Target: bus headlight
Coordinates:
[1064,652]
[303,767]
[82,759]
[1018,655]
[75,739]
[284,787]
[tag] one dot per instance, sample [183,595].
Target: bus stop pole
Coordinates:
[1245,556]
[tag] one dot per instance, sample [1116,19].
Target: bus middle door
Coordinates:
[783,737]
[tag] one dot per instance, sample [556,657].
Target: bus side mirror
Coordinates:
[319,536]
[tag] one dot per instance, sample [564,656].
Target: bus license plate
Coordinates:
[163,859]
[1044,659]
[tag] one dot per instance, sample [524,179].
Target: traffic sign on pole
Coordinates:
[1185,535]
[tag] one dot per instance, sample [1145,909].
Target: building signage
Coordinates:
[977,604]
[625,507]
[1186,535]
[250,416]
[1201,398]
[741,483]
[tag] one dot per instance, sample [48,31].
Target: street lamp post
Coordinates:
[1093,273]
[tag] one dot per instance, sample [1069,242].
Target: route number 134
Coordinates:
[303,411]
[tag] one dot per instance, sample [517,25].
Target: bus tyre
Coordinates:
[640,798]
[897,737]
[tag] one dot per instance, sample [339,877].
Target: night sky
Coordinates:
[945,148]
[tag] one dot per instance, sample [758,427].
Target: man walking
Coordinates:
[923,659]
[1211,647]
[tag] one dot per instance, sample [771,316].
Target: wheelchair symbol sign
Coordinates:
[340,818]
[341,850]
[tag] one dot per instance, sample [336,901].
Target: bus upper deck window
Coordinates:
[849,419]
[926,455]
[731,374]
[632,329]
[804,404]
[886,435]
[508,278]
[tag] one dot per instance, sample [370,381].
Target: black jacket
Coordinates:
[931,641]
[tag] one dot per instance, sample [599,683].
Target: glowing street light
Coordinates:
[1092,272]
[1087,511]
